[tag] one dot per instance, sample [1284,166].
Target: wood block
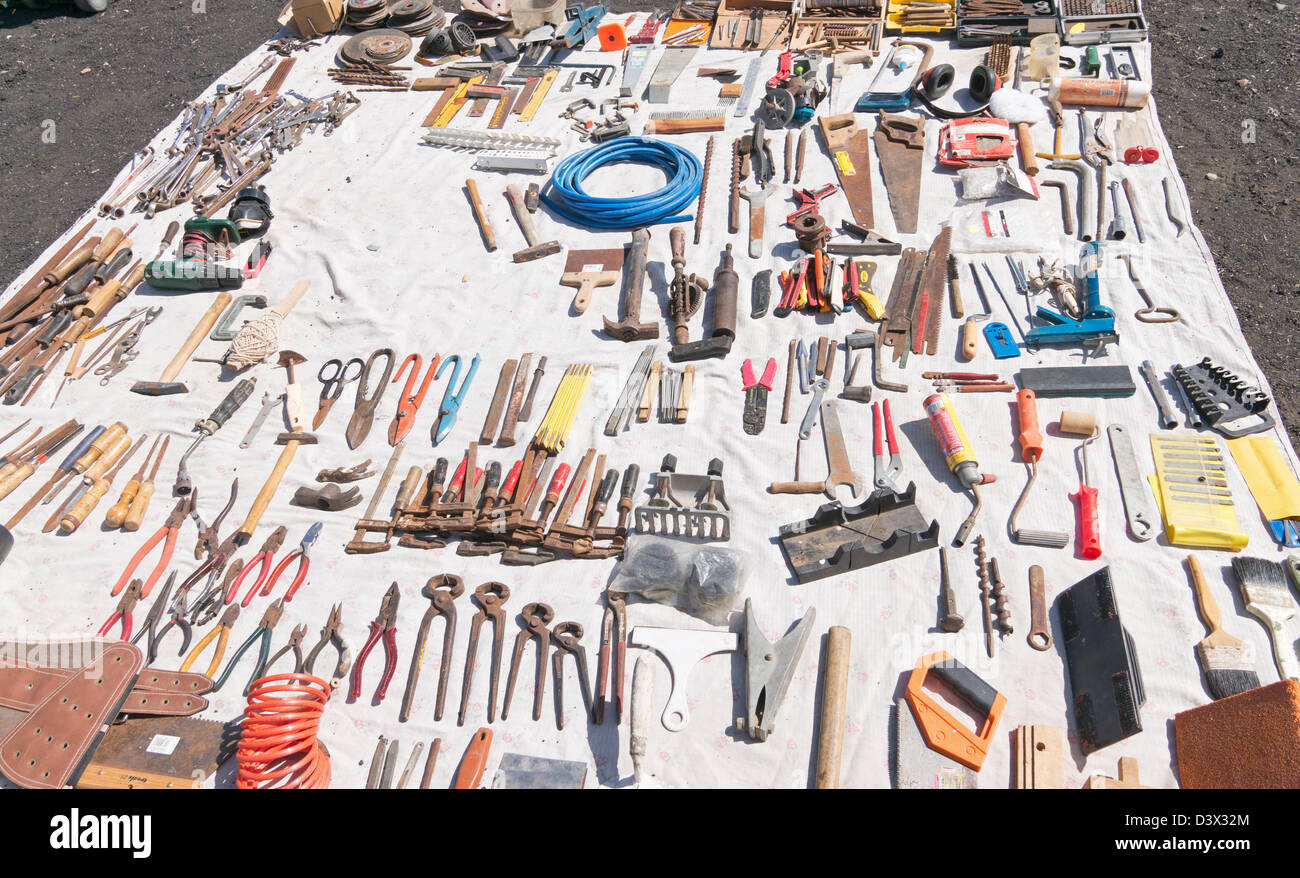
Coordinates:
[1040,758]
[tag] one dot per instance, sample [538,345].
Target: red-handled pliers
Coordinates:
[410,402]
[304,562]
[886,473]
[385,626]
[123,611]
[262,561]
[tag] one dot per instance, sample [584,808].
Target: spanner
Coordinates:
[837,454]
[757,218]
[1132,487]
[819,388]
[268,403]
[1168,415]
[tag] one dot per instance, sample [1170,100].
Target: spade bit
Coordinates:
[757,218]
[837,454]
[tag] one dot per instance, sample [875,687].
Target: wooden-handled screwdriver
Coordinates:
[13,473]
[102,462]
[63,469]
[98,487]
[131,494]
[106,439]
[140,505]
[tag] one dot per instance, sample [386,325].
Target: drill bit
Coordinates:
[981,558]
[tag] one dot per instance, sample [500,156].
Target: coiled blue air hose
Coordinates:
[566,197]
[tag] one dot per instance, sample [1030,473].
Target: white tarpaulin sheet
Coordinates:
[379,225]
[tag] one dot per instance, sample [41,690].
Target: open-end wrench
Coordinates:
[757,218]
[1168,414]
[837,454]
[819,389]
[1141,515]
[268,404]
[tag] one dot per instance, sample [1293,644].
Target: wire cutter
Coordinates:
[451,397]
[333,385]
[613,646]
[223,629]
[123,611]
[385,626]
[886,470]
[170,529]
[332,633]
[410,402]
[304,562]
[294,645]
[263,631]
[261,561]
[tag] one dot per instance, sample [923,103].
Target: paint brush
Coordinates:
[1227,663]
[1264,589]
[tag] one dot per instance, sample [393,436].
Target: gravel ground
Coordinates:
[1227,76]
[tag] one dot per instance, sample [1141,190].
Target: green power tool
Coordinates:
[200,266]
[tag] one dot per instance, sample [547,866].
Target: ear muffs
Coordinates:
[937,80]
[983,82]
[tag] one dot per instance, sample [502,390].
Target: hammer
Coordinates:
[630,328]
[534,250]
[166,383]
[291,440]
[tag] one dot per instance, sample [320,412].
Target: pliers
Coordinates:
[536,617]
[385,626]
[178,613]
[151,621]
[410,402]
[123,611]
[209,540]
[170,529]
[442,591]
[613,646]
[223,629]
[886,471]
[264,629]
[451,397]
[304,562]
[332,633]
[566,637]
[295,645]
[261,561]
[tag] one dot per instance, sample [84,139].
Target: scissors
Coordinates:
[333,385]
[451,397]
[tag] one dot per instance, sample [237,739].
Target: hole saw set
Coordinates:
[1023,441]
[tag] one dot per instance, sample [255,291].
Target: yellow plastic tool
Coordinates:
[1191,488]
[1268,475]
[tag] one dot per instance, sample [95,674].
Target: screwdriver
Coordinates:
[131,495]
[94,471]
[64,468]
[9,462]
[96,489]
[70,368]
[105,440]
[13,474]
[140,504]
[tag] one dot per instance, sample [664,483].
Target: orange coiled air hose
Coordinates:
[278,745]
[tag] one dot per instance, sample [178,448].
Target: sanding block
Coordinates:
[1103,381]
[1246,741]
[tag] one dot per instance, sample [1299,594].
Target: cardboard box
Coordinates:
[322,15]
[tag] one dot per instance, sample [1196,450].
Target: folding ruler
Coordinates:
[539,94]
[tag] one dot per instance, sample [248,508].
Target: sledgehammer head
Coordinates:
[538,251]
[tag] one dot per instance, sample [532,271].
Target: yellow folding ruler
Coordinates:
[1191,486]
[452,107]
[539,94]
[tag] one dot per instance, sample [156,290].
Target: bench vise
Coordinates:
[1097,322]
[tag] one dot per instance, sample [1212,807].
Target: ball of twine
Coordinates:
[256,341]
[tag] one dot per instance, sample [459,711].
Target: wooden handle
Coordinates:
[685,126]
[117,512]
[112,292]
[969,339]
[110,456]
[835,693]
[688,384]
[272,483]
[15,477]
[293,407]
[286,304]
[1028,160]
[206,322]
[648,395]
[73,518]
[139,506]
[74,358]
[1206,606]
[480,215]
[106,440]
[75,261]
[109,243]
[796,487]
